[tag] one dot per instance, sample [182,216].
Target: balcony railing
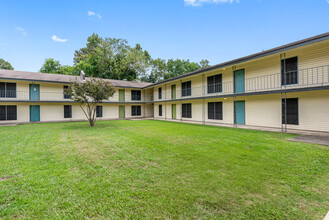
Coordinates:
[303,78]
[310,77]
[60,97]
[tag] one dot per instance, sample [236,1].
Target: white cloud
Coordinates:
[20,29]
[200,2]
[57,39]
[94,14]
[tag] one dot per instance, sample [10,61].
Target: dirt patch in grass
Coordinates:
[4,178]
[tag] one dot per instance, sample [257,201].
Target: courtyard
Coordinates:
[157,169]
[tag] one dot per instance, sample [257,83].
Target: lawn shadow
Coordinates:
[86,126]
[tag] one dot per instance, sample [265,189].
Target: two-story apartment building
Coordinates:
[33,97]
[285,87]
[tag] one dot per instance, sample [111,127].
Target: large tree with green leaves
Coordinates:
[89,93]
[5,65]
[161,69]
[111,58]
[156,72]
[53,66]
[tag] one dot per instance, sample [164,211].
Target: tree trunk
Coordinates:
[91,123]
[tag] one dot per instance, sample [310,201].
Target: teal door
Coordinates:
[34,113]
[240,112]
[34,92]
[239,81]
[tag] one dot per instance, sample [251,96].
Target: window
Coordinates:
[160,110]
[136,95]
[186,88]
[8,112]
[7,90]
[214,83]
[99,111]
[187,110]
[289,71]
[65,95]
[291,111]
[67,111]
[215,110]
[160,93]
[136,110]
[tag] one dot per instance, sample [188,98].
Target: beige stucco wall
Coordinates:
[54,91]
[51,112]
[263,110]
[228,112]
[310,56]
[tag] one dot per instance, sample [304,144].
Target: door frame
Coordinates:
[172,115]
[234,82]
[236,114]
[31,107]
[124,94]
[30,85]
[124,111]
[172,94]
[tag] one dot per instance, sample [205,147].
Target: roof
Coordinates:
[59,78]
[279,49]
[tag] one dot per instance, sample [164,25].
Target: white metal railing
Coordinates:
[309,77]
[57,96]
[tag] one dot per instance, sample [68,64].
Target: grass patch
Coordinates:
[158,169]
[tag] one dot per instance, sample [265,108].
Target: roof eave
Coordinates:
[275,50]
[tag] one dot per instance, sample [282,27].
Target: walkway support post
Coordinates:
[203,99]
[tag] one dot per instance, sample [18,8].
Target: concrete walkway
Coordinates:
[313,139]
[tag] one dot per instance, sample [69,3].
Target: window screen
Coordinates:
[187,110]
[214,83]
[290,109]
[67,111]
[99,111]
[65,95]
[8,112]
[3,112]
[289,71]
[136,110]
[160,93]
[7,90]
[136,95]
[186,88]
[160,110]
[215,110]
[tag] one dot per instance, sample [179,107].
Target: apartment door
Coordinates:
[173,91]
[34,113]
[239,112]
[121,95]
[121,111]
[239,81]
[173,111]
[34,92]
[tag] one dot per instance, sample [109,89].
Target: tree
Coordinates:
[50,66]
[158,69]
[111,58]
[161,69]
[53,66]
[5,65]
[204,64]
[179,67]
[89,93]
[67,70]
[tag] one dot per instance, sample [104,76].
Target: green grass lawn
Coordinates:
[157,169]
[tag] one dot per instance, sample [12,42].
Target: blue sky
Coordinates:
[217,30]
